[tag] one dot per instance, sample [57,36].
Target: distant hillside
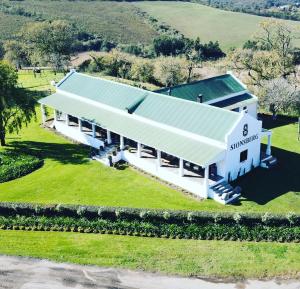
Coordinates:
[117,21]
[247,4]
[193,20]
[285,9]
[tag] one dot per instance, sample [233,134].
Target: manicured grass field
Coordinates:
[68,176]
[193,20]
[184,257]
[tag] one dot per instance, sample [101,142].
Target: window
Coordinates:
[243,156]
[236,109]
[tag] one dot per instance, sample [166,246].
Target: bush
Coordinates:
[151,228]
[159,223]
[142,71]
[14,165]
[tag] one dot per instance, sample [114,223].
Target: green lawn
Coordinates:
[184,257]
[193,20]
[69,177]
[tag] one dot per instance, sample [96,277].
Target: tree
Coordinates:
[52,41]
[269,56]
[169,45]
[193,62]
[261,65]
[170,71]
[142,71]
[2,52]
[277,36]
[281,96]
[212,51]
[16,106]
[15,53]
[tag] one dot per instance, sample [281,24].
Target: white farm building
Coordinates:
[198,136]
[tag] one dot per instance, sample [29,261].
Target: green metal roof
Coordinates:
[201,119]
[204,120]
[211,88]
[107,92]
[166,140]
[237,101]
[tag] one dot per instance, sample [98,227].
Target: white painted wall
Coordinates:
[232,162]
[252,109]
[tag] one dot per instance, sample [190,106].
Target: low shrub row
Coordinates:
[14,165]
[151,229]
[137,214]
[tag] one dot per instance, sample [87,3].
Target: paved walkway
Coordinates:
[27,273]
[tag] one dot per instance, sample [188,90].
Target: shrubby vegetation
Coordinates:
[15,165]
[151,223]
[161,71]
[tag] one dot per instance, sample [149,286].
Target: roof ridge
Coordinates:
[160,94]
[195,81]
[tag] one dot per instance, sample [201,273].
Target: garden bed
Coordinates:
[14,165]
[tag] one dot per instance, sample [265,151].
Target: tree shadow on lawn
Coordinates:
[62,153]
[264,185]
[269,123]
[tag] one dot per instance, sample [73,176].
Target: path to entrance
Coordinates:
[28,273]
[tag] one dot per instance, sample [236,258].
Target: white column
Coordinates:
[108,137]
[79,124]
[94,129]
[44,117]
[139,149]
[121,142]
[55,114]
[181,169]
[206,177]
[67,119]
[268,151]
[158,158]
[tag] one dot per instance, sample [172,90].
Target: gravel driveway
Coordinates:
[29,273]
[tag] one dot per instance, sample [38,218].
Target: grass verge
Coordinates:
[184,257]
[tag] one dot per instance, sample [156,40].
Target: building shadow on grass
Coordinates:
[62,153]
[264,185]
[269,123]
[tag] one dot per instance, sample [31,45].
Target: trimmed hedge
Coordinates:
[149,215]
[151,229]
[14,165]
[151,223]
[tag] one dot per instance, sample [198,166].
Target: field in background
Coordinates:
[116,21]
[193,20]
[68,176]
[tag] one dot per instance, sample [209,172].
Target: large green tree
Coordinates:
[17,108]
[268,56]
[50,42]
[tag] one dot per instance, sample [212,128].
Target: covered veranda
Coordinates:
[161,154]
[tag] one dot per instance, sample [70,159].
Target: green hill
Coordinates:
[116,21]
[191,19]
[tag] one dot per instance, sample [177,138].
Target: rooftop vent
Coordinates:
[200,98]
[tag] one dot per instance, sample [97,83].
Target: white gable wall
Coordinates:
[252,109]
[239,141]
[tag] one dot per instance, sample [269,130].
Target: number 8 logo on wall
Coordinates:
[245,130]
